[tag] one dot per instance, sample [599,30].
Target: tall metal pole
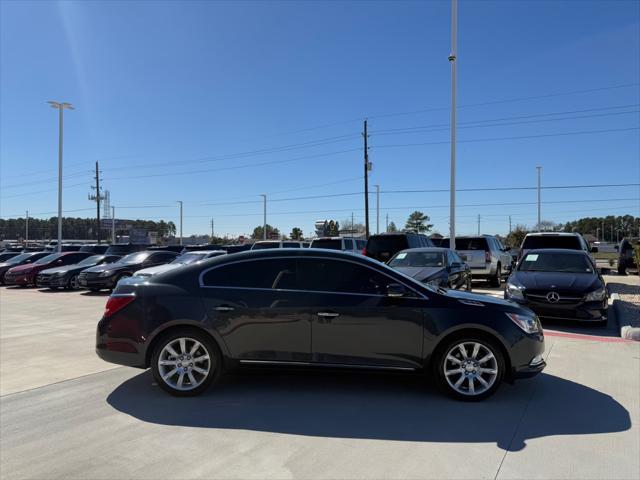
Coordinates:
[98,198]
[212,229]
[180,202]
[377,208]
[539,216]
[452,60]
[366,181]
[26,233]
[387,229]
[509,223]
[478,224]
[113,225]
[603,230]
[264,217]
[352,229]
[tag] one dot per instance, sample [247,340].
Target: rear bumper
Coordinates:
[120,351]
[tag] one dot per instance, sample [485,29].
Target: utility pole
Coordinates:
[366,181]
[452,60]
[113,225]
[387,229]
[509,223]
[97,198]
[264,217]
[377,208]
[352,225]
[26,228]
[212,229]
[180,202]
[60,107]
[478,224]
[603,230]
[539,218]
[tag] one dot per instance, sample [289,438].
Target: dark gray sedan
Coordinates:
[438,267]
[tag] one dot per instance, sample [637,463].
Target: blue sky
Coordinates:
[192,101]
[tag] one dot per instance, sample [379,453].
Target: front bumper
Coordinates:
[51,281]
[19,278]
[99,283]
[527,356]
[581,311]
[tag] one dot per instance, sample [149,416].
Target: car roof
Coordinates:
[553,234]
[426,249]
[203,252]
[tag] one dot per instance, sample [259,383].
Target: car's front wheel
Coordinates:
[470,368]
[185,363]
[496,279]
[73,283]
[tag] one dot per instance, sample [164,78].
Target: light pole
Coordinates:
[452,60]
[60,107]
[377,208]
[113,225]
[539,219]
[264,218]
[26,233]
[180,202]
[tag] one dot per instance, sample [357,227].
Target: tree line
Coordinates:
[74,228]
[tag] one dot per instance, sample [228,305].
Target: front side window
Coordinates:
[341,277]
[263,274]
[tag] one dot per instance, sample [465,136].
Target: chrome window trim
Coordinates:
[296,258]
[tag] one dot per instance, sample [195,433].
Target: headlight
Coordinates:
[514,290]
[597,295]
[528,323]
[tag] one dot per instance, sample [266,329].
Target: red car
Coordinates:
[24,275]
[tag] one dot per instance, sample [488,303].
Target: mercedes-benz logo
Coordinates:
[553,297]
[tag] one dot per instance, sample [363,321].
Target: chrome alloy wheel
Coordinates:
[74,284]
[470,368]
[184,363]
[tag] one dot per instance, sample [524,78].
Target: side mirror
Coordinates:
[594,249]
[396,290]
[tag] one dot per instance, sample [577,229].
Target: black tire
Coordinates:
[441,378]
[622,270]
[469,285]
[73,281]
[207,345]
[496,279]
[94,290]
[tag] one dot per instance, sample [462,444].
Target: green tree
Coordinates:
[296,233]
[516,236]
[392,227]
[259,230]
[417,223]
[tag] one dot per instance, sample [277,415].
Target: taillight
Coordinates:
[364,251]
[117,302]
[487,256]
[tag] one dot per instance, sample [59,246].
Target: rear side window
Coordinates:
[341,277]
[467,244]
[162,257]
[551,241]
[265,245]
[263,274]
[348,244]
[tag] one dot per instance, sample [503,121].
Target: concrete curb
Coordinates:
[624,320]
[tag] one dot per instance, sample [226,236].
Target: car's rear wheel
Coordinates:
[622,270]
[185,363]
[470,368]
[73,283]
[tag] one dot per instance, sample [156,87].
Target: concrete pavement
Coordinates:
[579,419]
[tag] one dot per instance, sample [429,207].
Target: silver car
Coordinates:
[184,259]
[485,255]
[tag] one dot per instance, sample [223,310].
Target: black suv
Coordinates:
[383,246]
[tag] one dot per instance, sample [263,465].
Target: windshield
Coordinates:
[555,262]
[418,259]
[264,245]
[551,241]
[19,258]
[134,258]
[188,258]
[92,260]
[48,258]
[467,243]
[328,244]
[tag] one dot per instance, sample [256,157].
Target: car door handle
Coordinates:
[224,308]
[328,314]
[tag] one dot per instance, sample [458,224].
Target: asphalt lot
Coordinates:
[66,414]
